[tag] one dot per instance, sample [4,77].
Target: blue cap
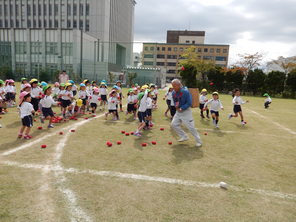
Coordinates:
[82,84]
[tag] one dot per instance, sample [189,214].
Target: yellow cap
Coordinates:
[33,80]
[68,84]
[145,87]
[204,90]
[215,93]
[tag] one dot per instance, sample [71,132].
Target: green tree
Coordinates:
[274,82]
[217,77]
[234,79]
[255,81]
[131,76]
[291,82]
[6,73]
[44,75]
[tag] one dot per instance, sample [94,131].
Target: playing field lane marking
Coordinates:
[275,123]
[149,179]
[27,145]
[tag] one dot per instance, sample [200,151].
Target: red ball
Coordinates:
[153,142]
[43,146]
[183,68]
[123,132]
[144,144]
[162,129]
[211,84]
[72,131]
[132,133]
[39,128]
[118,142]
[86,118]
[205,134]
[61,133]
[127,134]
[170,143]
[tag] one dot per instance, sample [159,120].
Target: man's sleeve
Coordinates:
[188,100]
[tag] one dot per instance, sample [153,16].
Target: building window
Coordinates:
[169,49]
[74,24]
[56,23]
[160,63]
[151,48]
[50,24]
[50,10]
[39,10]
[69,24]
[187,41]
[69,9]
[34,23]
[34,10]
[87,25]
[212,50]
[181,49]
[39,23]
[20,48]
[148,63]
[225,50]
[28,10]
[163,48]
[149,56]
[74,9]
[44,9]
[171,71]
[16,10]
[172,64]
[206,50]
[193,42]
[146,48]
[199,50]
[159,56]
[17,23]
[29,23]
[80,24]
[87,9]
[45,23]
[67,49]
[52,48]
[220,58]
[175,49]
[56,9]
[158,48]
[1,10]
[208,57]
[81,9]
[172,56]
[218,50]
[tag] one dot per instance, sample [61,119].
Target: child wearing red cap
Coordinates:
[26,110]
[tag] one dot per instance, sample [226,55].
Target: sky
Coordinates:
[248,26]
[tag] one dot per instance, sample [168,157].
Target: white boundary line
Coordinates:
[148,178]
[275,123]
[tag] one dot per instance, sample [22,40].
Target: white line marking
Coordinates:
[27,145]
[275,123]
[149,178]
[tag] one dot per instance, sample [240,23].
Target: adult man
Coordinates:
[183,101]
[63,77]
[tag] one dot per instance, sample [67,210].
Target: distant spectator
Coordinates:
[63,77]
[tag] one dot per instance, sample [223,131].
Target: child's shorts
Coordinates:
[93,105]
[112,111]
[168,102]
[74,92]
[149,112]
[104,98]
[142,116]
[84,101]
[201,106]
[35,103]
[155,98]
[10,96]
[66,103]
[131,108]
[47,112]
[215,112]
[27,121]
[237,108]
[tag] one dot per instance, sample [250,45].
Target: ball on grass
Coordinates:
[153,142]
[170,143]
[61,133]
[40,128]
[162,129]
[119,142]
[73,131]
[205,133]
[127,134]
[43,146]
[123,132]
[223,185]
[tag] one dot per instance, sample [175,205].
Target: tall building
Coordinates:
[167,55]
[89,35]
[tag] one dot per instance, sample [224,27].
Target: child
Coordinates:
[132,100]
[216,105]
[142,101]
[84,95]
[154,92]
[27,87]
[26,110]
[56,90]
[24,81]
[93,85]
[10,92]
[36,94]
[89,91]
[112,105]
[74,87]
[267,101]
[2,97]
[119,90]
[202,100]
[94,99]
[237,102]
[103,94]
[47,103]
[169,99]
[67,96]
[150,102]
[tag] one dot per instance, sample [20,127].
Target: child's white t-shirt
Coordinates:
[67,95]
[47,102]
[112,102]
[10,89]
[74,88]
[2,92]
[26,109]
[268,99]
[143,103]
[56,90]
[95,99]
[103,91]
[237,100]
[83,94]
[216,105]
[36,92]
[203,99]
[149,103]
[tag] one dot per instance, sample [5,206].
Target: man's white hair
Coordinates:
[177,81]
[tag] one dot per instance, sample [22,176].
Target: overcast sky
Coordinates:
[249,26]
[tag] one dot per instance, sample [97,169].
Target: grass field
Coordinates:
[78,178]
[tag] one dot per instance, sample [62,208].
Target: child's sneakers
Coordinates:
[50,126]
[20,136]
[230,116]
[137,134]
[243,123]
[27,137]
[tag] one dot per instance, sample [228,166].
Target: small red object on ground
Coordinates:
[40,128]
[162,129]
[144,144]
[119,143]
[123,132]
[153,142]
[72,131]
[127,134]
[170,143]
[132,133]
[206,134]
[61,133]
[43,146]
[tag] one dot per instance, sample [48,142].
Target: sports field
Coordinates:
[78,178]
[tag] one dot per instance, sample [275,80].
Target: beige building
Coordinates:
[167,55]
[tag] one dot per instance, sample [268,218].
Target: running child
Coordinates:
[24,81]
[36,94]
[103,94]
[74,87]
[26,110]
[56,90]
[132,100]
[267,101]
[94,99]
[2,97]
[237,109]
[10,92]
[84,95]
[112,105]
[119,90]
[216,105]
[150,102]
[142,101]
[47,102]
[202,100]
[67,96]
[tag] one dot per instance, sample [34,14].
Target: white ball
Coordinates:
[223,185]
